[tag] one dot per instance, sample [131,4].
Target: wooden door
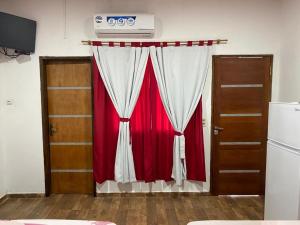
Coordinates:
[68,103]
[241,93]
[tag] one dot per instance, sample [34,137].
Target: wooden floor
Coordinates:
[131,209]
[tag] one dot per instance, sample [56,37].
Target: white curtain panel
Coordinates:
[180,73]
[122,70]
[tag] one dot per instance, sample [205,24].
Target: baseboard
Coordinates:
[3,199]
[155,194]
[127,194]
[29,195]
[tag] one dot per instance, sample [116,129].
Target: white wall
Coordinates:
[2,175]
[250,25]
[2,156]
[290,52]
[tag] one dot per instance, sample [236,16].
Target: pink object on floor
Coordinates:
[7,222]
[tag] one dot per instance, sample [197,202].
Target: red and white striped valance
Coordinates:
[157,44]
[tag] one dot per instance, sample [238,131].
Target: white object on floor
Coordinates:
[282,196]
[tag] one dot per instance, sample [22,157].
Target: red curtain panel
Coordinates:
[151,132]
[105,128]
[194,144]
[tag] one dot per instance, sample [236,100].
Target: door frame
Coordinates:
[43,60]
[213,144]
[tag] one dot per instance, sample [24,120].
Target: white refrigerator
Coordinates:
[282,196]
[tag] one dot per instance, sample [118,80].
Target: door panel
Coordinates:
[71,182]
[69,104]
[68,73]
[247,75]
[241,100]
[71,157]
[241,92]
[71,129]
[249,128]
[240,183]
[239,159]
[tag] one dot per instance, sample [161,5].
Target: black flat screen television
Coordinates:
[17,33]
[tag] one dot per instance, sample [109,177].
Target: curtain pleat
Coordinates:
[152,135]
[180,73]
[194,144]
[106,128]
[122,72]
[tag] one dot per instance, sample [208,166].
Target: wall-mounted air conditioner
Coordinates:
[124,25]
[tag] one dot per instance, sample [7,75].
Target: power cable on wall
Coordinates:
[5,52]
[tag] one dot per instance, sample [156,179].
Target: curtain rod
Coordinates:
[169,43]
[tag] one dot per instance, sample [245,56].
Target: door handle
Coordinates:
[52,129]
[217,129]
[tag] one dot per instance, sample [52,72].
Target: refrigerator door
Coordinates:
[284,124]
[282,196]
